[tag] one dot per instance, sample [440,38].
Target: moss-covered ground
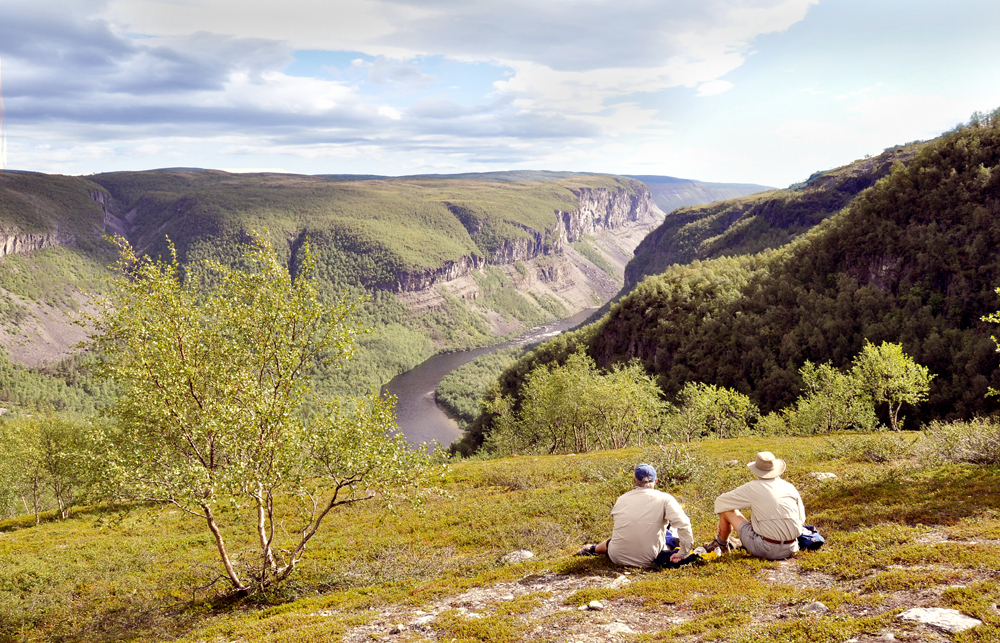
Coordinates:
[901,533]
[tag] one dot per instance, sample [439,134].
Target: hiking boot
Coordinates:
[587,550]
[723,546]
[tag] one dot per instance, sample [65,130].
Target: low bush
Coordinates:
[976,441]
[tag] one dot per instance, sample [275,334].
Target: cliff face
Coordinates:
[599,209]
[11,244]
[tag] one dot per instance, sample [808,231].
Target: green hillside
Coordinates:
[365,233]
[765,220]
[906,525]
[910,260]
[378,228]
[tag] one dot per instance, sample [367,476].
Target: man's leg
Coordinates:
[729,521]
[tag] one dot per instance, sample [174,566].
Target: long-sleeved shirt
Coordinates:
[776,509]
[641,517]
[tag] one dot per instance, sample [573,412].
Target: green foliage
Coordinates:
[889,375]
[976,441]
[706,410]
[574,407]
[759,222]
[45,466]
[907,262]
[833,401]
[215,371]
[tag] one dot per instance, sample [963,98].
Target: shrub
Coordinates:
[976,441]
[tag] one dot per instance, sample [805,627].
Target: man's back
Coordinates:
[641,516]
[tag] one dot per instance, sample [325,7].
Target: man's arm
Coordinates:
[738,498]
[673,512]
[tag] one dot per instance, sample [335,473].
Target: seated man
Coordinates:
[641,518]
[776,512]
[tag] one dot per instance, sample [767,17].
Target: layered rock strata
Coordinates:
[600,210]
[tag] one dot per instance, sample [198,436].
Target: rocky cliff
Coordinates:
[599,210]
[13,243]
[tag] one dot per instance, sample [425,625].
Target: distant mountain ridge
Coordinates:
[670,193]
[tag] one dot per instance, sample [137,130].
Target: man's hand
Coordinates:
[676,558]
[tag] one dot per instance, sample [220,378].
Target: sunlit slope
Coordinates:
[761,221]
[381,227]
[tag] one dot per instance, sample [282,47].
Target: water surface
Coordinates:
[419,417]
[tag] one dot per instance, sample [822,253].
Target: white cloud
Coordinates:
[389,112]
[713,87]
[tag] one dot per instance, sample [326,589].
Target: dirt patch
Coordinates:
[47,336]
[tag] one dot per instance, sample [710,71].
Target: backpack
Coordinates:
[810,538]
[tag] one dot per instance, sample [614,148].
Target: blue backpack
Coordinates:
[811,538]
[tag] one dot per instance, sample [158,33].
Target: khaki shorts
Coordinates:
[756,545]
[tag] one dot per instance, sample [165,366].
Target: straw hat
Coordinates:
[767,466]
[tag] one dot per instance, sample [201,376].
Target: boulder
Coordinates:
[945,619]
[518,556]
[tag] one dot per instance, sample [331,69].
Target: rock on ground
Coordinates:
[946,619]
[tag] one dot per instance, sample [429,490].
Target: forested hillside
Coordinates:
[911,260]
[761,221]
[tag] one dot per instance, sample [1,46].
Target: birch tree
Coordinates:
[214,365]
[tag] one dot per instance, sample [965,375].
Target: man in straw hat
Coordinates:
[776,512]
[641,518]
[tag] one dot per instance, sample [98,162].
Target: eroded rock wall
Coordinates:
[600,210]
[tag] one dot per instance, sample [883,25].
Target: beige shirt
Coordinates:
[776,509]
[641,518]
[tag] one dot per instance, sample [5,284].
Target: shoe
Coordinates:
[715,543]
[587,550]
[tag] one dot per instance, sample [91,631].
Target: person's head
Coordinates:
[766,466]
[645,476]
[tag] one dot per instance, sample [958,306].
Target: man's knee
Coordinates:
[733,517]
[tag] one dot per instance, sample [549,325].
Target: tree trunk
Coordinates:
[233,578]
[263,513]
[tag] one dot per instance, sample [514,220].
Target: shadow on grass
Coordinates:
[934,496]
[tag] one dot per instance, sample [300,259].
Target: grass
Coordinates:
[898,533]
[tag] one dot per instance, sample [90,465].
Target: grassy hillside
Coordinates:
[907,261]
[379,228]
[761,221]
[906,526]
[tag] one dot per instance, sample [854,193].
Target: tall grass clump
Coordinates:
[975,441]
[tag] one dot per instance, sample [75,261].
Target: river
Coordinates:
[419,417]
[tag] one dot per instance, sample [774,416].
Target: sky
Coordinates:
[749,91]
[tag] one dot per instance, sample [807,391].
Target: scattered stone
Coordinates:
[820,475]
[618,628]
[816,607]
[423,620]
[888,636]
[733,463]
[582,608]
[596,606]
[620,582]
[507,597]
[948,620]
[397,629]
[324,613]
[518,556]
